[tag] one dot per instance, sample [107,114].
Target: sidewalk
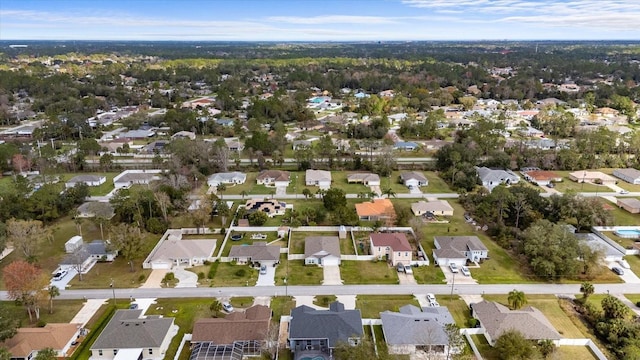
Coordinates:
[88,310]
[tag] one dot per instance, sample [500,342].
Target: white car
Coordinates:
[434,304]
[453,267]
[624,192]
[226,306]
[624,264]
[263,270]
[60,275]
[465,271]
[431,298]
[407,269]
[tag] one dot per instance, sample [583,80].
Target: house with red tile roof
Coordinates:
[378,209]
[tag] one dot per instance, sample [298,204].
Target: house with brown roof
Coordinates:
[378,209]
[257,253]
[28,341]
[495,319]
[322,250]
[243,333]
[275,178]
[632,205]
[458,250]
[393,247]
[541,177]
[367,179]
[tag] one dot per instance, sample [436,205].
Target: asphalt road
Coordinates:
[471,289]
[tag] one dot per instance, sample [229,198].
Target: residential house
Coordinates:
[129,335]
[100,251]
[95,209]
[393,247]
[275,178]
[433,207]
[89,180]
[386,93]
[137,134]
[367,179]
[135,177]
[234,144]
[184,135]
[435,144]
[322,250]
[531,132]
[495,319]
[319,178]
[541,177]
[413,330]
[632,176]
[607,252]
[155,147]
[271,207]
[26,343]
[315,333]
[458,250]
[595,177]
[378,209]
[83,257]
[225,122]
[406,146]
[303,144]
[413,179]
[175,251]
[73,244]
[242,333]
[491,178]
[234,177]
[632,205]
[258,253]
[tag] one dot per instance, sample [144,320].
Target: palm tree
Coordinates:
[320,193]
[244,193]
[516,299]
[215,307]
[220,188]
[586,289]
[307,193]
[53,292]
[389,192]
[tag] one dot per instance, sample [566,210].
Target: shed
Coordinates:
[73,244]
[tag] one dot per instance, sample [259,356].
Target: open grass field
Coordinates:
[63,311]
[367,272]
[226,274]
[428,274]
[436,184]
[372,305]
[297,273]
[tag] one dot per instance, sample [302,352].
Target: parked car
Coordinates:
[133,306]
[624,192]
[624,264]
[550,185]
[617,270]
[453,267]
[400,267]
[431,298]
[60,275]
[226,306]
[407,269]
[465,271]
[434,304]
[263,270]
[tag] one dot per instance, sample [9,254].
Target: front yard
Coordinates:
[297,273]
[367,272]
[227,274]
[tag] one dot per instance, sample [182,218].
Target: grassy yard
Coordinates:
[622,217]
[340,181]
[281,305]
[63,311]
[436,184]
[100,190]
[298,183]
[241,302]
[568,184]
[226,274]
[324,300]
[428,274]
[573,352]
[297,273]
[368,272]
[372,305]
[247,240]
[247,187]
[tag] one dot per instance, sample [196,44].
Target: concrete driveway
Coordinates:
[615,188]
[64,282]
[185,278]
[331,275]
[628,277]
[88,310]
[459,278]
[267,279]
[376,189]
[406,279]
[281,190]
[415,190]
[155,279]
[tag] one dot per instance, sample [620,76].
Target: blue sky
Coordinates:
[328,20]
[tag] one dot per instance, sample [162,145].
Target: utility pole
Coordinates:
[113,289]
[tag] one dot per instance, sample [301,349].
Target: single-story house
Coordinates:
[413,330]
[393,247]
[303,144]
[89,180]
[96,209]
[495,319]
[26,343]
[184,135]
[458,250]
[257,253]
[434,207]
[225,122]
[234,144]
[405,146]
[315,333]
[275,178]
[595,177]
[593,241]
[129,335]
[530,131]
[367,179]
[137,134]
[378,209]
[242,331]
[135,177]
[319,178]
[632,176]
[174,251]
[493,177]
[234,177]
[413,179]
[322,250]
[271,207]
[85,256]
[542,177]
[100,251]
[632,205]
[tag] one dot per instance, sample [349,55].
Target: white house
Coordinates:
[367,179]
[89,180]
[632,176]
[322,250]
[491,178]
[435,207]
[319,178]
[135,177]
[413,179]
[458,250]
[234,177]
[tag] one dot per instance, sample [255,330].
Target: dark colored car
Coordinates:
[617,270]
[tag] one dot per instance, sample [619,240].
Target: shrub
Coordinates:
[473,323]
[200,275]
[241,272]
[212,270]
[169,277]
[41,323]
[141,278]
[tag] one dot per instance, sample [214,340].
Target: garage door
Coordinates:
[330,262]
[160,266]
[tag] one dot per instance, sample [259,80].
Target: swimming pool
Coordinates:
[628,234]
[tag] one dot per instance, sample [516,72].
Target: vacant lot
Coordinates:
[297,273]
[227,274]
[372,305]
[368,272]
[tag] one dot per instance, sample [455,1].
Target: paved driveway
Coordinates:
[459,278]
[155,279]
[376,189]
[415,190]
[64,282]
[88,310]
[185,278]
[406,279]
[281,190]
[331,275]
[628,277]
[267,279]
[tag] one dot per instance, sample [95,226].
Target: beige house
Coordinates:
[275,178]
[632,205]
[367,179]
[174,251]
[26,343]
[435,207]
[595,177]
[392,247]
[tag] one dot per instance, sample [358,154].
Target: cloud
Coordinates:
[331,19]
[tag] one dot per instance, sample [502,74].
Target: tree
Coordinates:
[53,292]
[551,250]
[388,192]
[243,193]
[4,354]
[613,308]
[223,211]
[512,345]
[46,354]
[516,299]
[164,202]
[3,236]
[25,283]
[8,323]
[455,339]
[24,234]
[587,290]
[221,188]
[307,193]
[128,241]
[257,218]
[215,307]
[546,347]
[334,198]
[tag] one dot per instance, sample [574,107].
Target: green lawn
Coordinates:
[622,217]
[428,274]
[372,305]
[458,309]
[298,183]
[247,240]
[436,184]
[573,352]
[394,183]
[281,305]
[239,188]
[297,273]
[227,274]
[63,311]
[340,181]
[324,300]
[367,272]
[241,302]
[568,184]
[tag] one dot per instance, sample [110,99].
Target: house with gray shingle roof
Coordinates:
[322,250]
[630,175]
[89,180]
[259,252]
[319,178]
[413,330]
[458,250]
[315,333]
[495,319]
[233,177]
[128,335]
[493,177]
[413,179]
